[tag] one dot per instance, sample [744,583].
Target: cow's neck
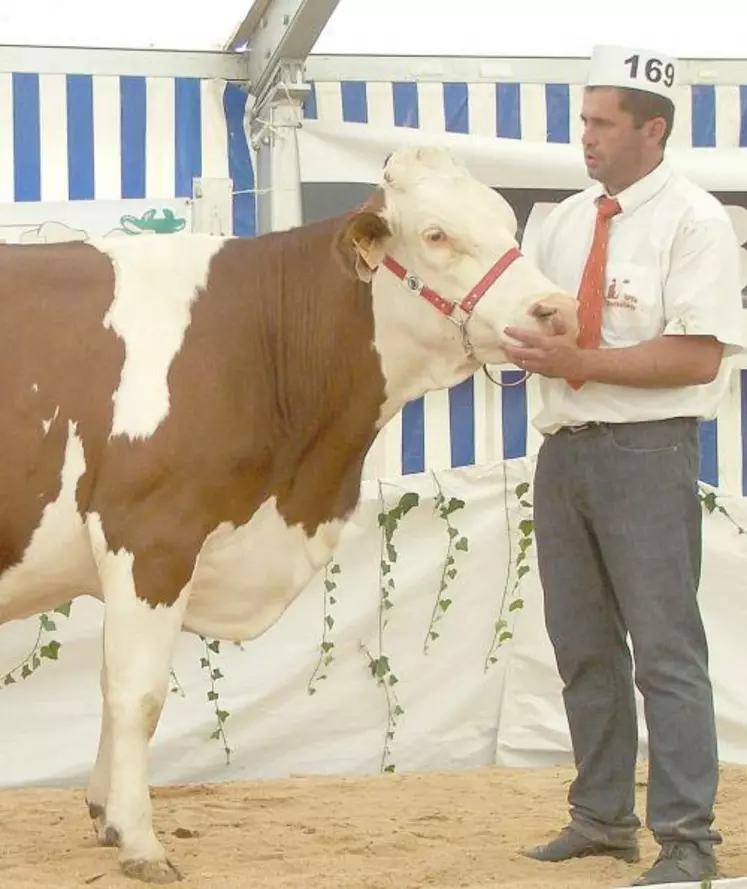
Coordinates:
[420,351]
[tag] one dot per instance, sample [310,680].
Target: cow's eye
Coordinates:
[435,235]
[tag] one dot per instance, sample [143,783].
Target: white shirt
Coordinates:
[673,267]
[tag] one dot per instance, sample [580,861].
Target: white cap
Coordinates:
[635,68]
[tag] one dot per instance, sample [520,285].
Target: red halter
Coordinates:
[445,306]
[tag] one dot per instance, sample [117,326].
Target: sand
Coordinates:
[439,831]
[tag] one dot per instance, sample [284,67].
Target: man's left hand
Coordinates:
[552,355]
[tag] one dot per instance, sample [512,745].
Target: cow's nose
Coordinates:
[542,311]
[562,306]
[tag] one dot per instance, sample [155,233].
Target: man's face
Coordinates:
[615,152]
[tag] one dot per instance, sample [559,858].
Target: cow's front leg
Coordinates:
[139,641]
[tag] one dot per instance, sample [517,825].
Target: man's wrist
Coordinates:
[585,364]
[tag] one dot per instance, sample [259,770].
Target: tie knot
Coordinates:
[608,207]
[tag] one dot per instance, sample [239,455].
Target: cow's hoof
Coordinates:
[160,871]
[96,812]
[105,835]
[109,836]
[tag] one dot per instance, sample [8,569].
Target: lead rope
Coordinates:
[505,385]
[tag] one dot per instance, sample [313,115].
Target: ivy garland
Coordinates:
[390,518]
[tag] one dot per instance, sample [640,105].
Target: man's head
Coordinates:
[628,113]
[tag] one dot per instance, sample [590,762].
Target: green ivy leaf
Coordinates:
[382,666]
[47,624]
[50,651]
[452,506]
[408,501]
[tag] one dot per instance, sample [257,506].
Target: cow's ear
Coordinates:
[360,244]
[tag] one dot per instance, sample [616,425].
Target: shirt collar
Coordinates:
[641,191]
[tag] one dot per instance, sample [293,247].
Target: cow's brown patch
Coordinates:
[57,363]
[276,391]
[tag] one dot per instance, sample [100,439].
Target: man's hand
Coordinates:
[665,361]
[553,355]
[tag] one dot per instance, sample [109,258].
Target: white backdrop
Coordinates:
[455,714]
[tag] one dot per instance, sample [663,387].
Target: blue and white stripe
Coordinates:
[476,422]
[67,137]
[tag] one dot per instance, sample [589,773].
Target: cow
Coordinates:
[184,421]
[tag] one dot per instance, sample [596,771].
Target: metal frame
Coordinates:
[277,33]
[276,37]
[126,62]
[507,69]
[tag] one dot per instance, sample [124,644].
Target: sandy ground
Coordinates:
[439,831]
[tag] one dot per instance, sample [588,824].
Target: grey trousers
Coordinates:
[618,532]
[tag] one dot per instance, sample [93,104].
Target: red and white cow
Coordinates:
[184,420]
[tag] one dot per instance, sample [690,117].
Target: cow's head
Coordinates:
[432,229]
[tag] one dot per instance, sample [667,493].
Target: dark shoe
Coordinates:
[569,843]
[680,863]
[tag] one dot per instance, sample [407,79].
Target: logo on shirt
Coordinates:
[618,295]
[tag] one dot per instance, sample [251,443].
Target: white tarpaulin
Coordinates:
[352,152]
[35,223]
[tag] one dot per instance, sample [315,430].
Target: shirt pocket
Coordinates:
[633,304]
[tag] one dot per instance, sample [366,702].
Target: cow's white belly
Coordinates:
[246,577]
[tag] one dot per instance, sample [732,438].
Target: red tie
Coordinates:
[591,289]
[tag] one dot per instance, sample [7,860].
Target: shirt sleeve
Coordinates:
[702,292]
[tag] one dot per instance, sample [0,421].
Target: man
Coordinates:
[617,517]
